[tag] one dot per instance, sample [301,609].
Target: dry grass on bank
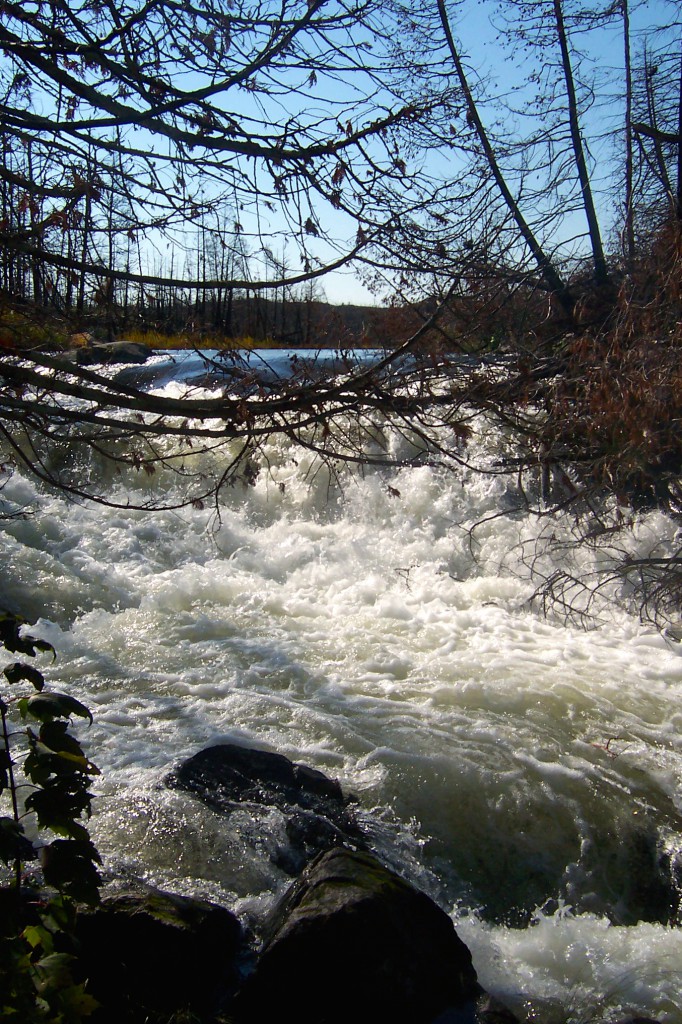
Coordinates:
[189,340]
[23,328]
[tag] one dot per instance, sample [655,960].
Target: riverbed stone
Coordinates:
[316,811]
[146,953]
[352,941]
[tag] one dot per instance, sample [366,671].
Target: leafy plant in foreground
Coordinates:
[36,932]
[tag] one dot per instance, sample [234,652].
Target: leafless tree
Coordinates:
[335,134]
[288,117]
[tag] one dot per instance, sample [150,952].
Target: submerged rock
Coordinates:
[632,876]
[652,880]
[352,941]
[146,952]
[317,816]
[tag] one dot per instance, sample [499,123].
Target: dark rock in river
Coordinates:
[636,878]
[637,1020]
[490,1010]
[317,816]
[652,879]
[112,352]
[147,953]
[352,941]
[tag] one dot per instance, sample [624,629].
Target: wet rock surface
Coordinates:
[317,814]
[145,953]
[352,941]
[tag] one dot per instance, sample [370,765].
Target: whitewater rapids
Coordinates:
[526,772]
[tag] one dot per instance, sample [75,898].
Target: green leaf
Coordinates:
[43,645]
[77,1003]
[64,760]
[68,866]
[70,830]
[13,843]
[45,706]
[55,735]
[10,625]
[38,937]
[59,914]
[59,803]
[19,670]
[54,972]
[38,766]
[42,763]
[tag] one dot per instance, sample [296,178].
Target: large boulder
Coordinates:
[352,941]
[316,812]
[147,954]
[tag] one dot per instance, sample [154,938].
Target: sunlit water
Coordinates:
[523,771]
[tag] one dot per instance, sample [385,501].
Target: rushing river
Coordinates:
[525,772]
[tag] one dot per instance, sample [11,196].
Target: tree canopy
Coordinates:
[511,180]
[258,144]
[128,126]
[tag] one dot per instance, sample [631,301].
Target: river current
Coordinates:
[523,770]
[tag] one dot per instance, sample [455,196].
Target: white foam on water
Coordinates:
[579,968]
[502,759]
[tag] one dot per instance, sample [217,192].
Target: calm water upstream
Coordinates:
[526,773]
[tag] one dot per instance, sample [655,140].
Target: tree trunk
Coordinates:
[547,269]
[629,226]
[80,301]
[600,271]
[679,147]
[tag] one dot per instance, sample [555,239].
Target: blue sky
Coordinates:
[476,24]
[334,95]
